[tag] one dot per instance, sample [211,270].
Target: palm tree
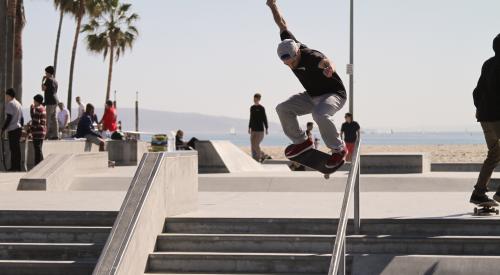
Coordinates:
[111,33]
[10,29]
[79,8]
[63,6]
[3,53]
[18,49]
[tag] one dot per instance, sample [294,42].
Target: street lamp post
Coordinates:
[350,69]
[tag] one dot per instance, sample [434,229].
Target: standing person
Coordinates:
[325,95]
[38,126]
[108,120]
[350,133]
[487,101]
[257,127]
[49,86]
[13,126]
[63,117]
[309,133]
[85,128]
[81,111]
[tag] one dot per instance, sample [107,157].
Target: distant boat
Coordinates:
[232,131]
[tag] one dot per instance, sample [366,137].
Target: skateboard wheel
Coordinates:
[497,212]
[475,210]
[327,177]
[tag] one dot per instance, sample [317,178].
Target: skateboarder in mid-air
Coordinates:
[324,96]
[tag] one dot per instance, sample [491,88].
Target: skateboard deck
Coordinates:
[485,210]
[315,160]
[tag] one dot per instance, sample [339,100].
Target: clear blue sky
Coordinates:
[416,62]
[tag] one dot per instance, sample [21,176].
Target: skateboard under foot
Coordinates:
[316,160]
[485,210]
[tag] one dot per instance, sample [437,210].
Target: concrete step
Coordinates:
[238,263]
[358,244]
[57,218]
[429,227]
[50,251]
[46,267]
[53,234]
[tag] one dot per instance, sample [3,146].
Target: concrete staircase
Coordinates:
[303,246]
[52,242]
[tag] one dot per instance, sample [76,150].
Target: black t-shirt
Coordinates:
[350,131]
[310,75]
[50,94]
[258,118]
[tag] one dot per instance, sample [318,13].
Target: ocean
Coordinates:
[397,138]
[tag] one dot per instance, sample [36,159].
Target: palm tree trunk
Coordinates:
[18,51]
[61,16]
[73,54]
[11,30]
[110,72]
[3,55]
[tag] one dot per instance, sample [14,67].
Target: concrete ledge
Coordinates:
[56,171]
[458,167]
[125,152]
[165,184]
[394,163]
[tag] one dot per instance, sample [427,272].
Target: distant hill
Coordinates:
[162,121]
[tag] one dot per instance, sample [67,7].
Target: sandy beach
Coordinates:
[437,153]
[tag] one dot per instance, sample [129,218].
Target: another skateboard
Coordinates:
[315,160]
[485,210]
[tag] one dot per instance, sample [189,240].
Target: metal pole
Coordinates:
[341,270]
[351,61]
[137,111]
[357,222]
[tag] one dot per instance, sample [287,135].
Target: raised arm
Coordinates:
[278,18]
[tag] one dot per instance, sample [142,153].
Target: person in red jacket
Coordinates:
[108,120]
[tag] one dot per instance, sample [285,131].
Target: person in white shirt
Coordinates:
[81,111]
[63,117]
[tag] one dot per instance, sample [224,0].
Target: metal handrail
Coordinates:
[337,263]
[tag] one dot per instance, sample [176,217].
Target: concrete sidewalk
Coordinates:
[402,205]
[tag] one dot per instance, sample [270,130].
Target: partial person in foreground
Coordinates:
[350,133]
[257,127]
[38,126]
[180,144]
[487,102]
[13,126]
[325,95]
[86,129]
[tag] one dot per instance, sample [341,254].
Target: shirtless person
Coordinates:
[325,95]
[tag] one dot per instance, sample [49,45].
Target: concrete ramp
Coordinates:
[225,157]
[425,265]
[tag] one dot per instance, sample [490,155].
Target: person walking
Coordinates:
[38,126]
[486,97]
[49,87]
[350,133]
[257,127]
[325,95]
[13,126]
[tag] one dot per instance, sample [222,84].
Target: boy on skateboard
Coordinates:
[487,101]
[324,96]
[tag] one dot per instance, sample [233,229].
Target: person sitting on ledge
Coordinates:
[181,145]
[86,130]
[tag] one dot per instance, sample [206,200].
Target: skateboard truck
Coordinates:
[485,210]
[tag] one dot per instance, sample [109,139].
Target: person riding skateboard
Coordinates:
[487,101]
[325,95]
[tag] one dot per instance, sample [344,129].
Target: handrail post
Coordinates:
[342,260]
[357,222]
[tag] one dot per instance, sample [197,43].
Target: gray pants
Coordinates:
[52,127]
[255,140]
[322,109]
[492,135]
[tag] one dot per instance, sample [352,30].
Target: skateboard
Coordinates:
[485,210]
[315,160]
